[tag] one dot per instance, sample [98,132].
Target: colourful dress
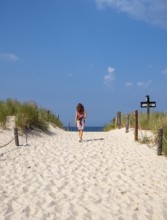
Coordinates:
[80,119]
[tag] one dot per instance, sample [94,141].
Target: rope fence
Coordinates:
[152,140]
[7,143]
[158,139]
[164,139]
[16,138]
[147,138]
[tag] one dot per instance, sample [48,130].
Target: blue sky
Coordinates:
[106,54]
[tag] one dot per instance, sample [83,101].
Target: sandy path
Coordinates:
[107,177]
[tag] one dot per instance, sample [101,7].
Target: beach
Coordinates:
[109,176]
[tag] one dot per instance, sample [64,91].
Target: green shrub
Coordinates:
[109,127]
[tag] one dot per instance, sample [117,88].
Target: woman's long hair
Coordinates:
[80,108]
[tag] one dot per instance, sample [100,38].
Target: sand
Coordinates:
[108,176]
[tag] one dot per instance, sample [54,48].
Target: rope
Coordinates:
[148,138]
[8,142]
[130,124]
[12,140]
[164,139]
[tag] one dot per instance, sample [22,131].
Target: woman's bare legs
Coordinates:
[80,134]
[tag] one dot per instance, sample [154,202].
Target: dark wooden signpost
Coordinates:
[147,104]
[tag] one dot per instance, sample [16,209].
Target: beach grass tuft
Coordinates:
[27,115]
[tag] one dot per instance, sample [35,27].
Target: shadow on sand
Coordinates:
[95,139]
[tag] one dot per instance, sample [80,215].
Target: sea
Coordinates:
[87,128]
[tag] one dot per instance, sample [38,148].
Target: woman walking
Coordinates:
[80,119]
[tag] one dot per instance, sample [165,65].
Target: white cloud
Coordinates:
[8,57]
[91,65]
[164,71]
[70,75]
[110,76]
[151,11]
[144,84]
[128,84]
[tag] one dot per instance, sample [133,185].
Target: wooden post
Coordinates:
[48,113]
[127,123]
[113,121]
[148,107]
[69,128]
[119,120]
[26,134]
[16,136]
[160,139]
[136,125]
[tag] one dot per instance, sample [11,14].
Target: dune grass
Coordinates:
[155,121]
[28,115]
